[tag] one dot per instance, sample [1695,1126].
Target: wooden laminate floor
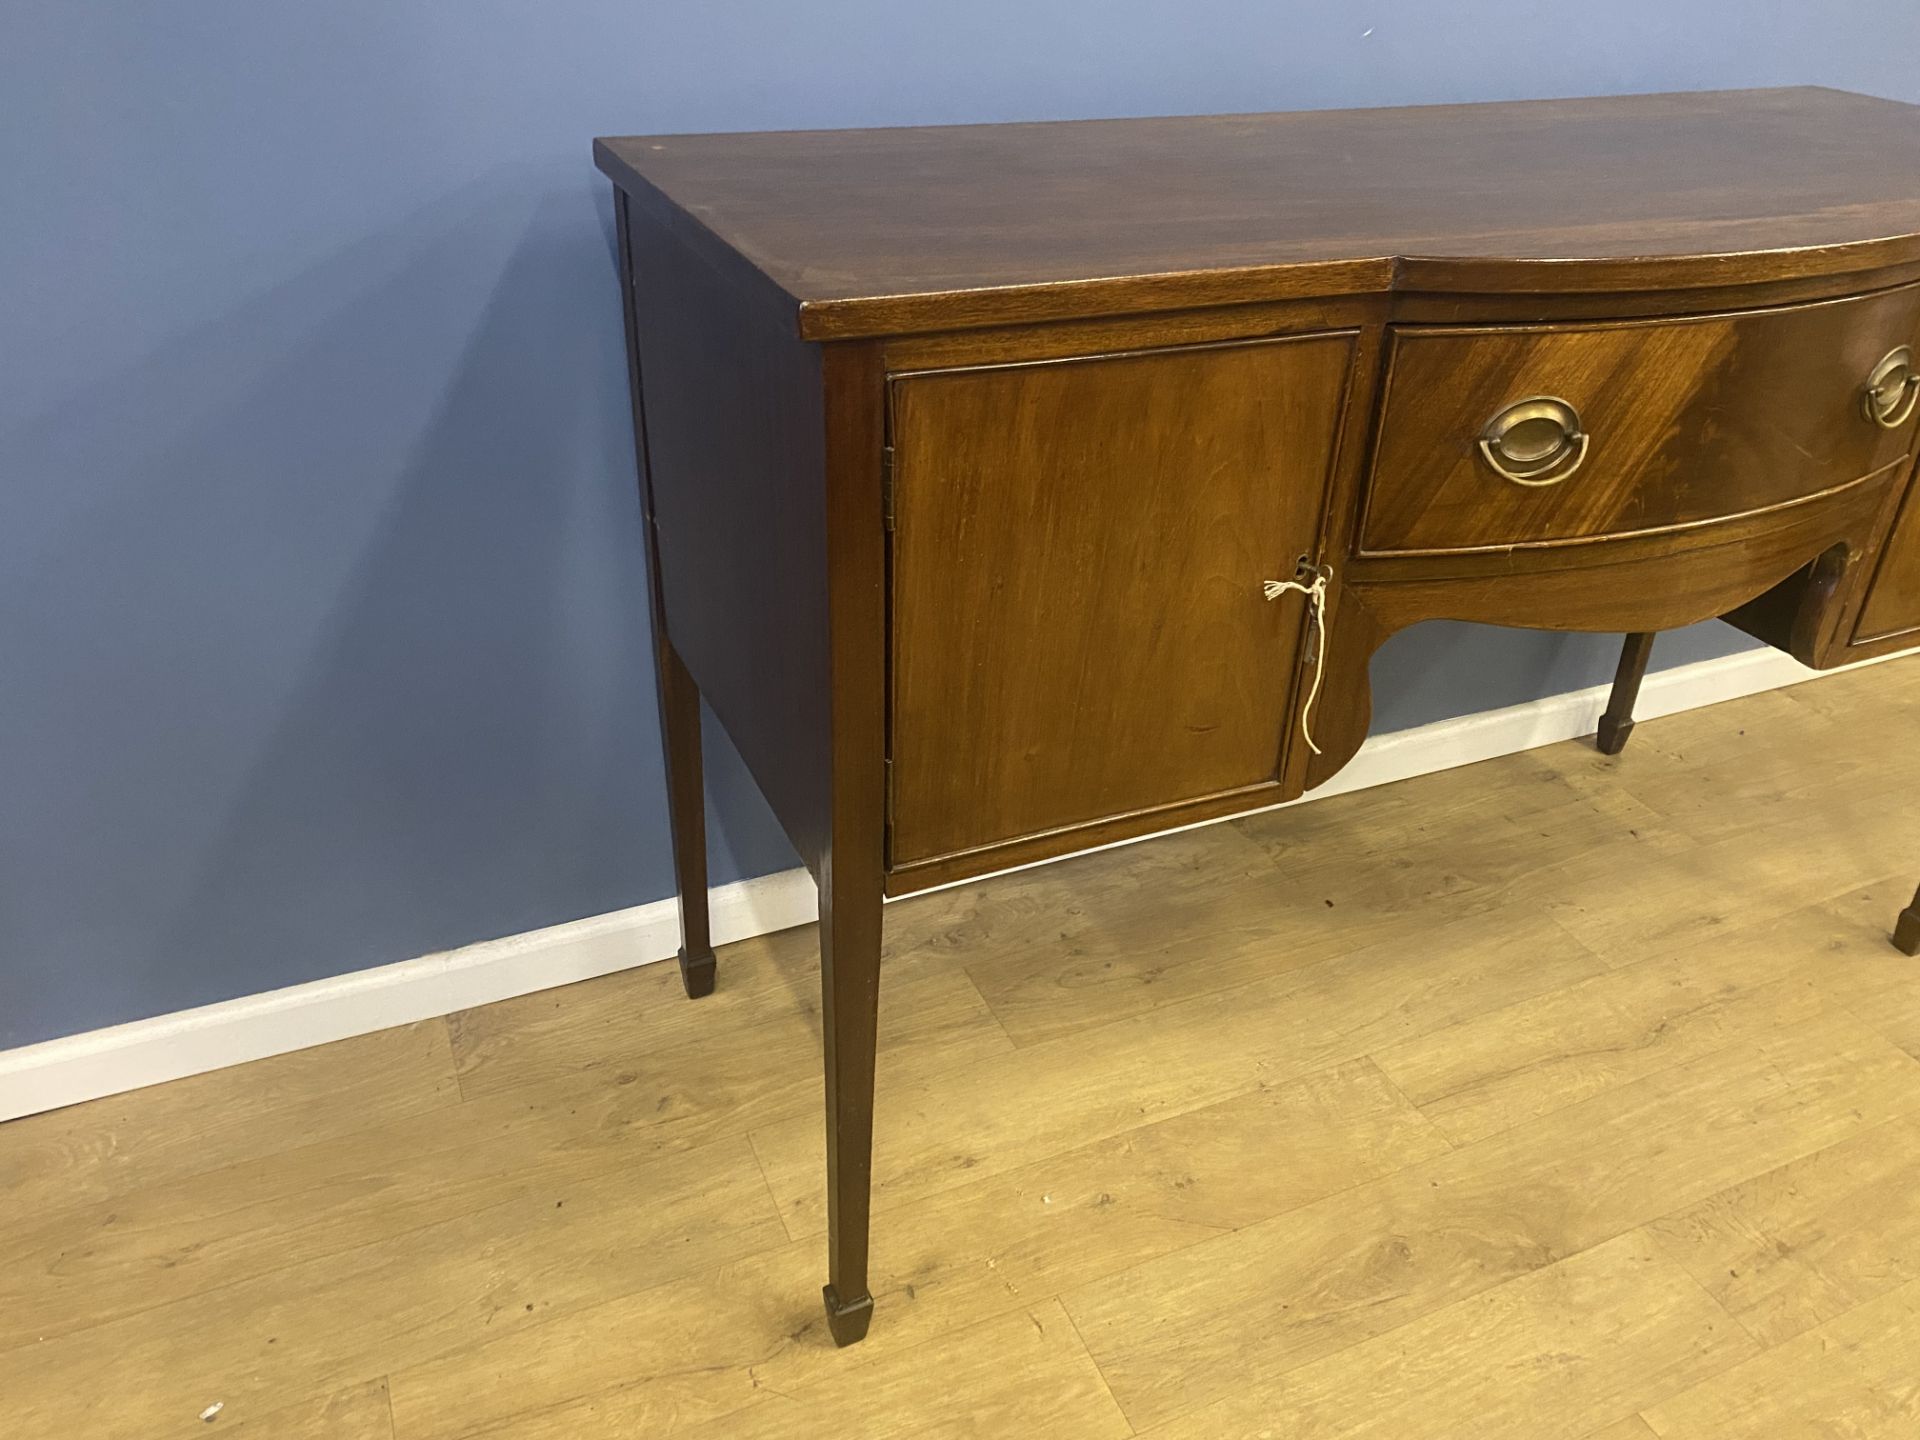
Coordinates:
[1552,1097]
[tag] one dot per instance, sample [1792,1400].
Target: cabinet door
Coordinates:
[1079,631]
[1893,603]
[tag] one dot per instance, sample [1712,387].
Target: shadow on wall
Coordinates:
[1441,669]
[310,711]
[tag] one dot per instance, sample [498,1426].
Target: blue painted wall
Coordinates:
[322,633]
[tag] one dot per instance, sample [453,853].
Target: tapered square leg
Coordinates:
[686,815]
[853,861]
[1617,724]
[678,696]
[1906,934]
[850,993]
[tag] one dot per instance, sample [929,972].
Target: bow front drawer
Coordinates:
[1537,435]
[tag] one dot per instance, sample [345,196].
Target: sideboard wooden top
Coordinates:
[870,232]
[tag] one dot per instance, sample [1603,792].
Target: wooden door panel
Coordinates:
[1078,627]
[1893,603]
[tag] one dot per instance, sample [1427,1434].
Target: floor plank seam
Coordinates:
[883,1205]
[1871,1022]
[1094,1027]
[1664,1067]
[1608,966]
[445,1022]
[1380,1070]
[1105,1384]
[1161,1257]
[1746,1179]
[744,1252]
[779,1210]
[1760,1346]
[253,1277]
[1225,1097]
[1763,1350]
[449,1024]
[993,1015]
[1900,1117]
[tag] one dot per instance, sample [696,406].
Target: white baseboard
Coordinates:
[187,1042]
[1472,738]
[61,1072]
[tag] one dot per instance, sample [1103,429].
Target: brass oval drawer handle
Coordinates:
[1892,390]
[1535,442]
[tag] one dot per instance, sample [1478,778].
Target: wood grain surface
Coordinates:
[1687,422]
[867,232]
[1079,626]
[1891,611]
[730,415]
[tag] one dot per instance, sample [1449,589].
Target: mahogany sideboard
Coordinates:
[1012,489]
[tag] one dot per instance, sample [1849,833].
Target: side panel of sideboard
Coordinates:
[1890,617]
[735,462]
[1842,609]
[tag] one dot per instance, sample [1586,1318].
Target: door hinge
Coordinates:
[886,486]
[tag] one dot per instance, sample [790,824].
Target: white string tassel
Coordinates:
[1316,593]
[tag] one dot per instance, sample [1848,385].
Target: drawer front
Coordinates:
[1078,626]
[1892,606]
[1497,437]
